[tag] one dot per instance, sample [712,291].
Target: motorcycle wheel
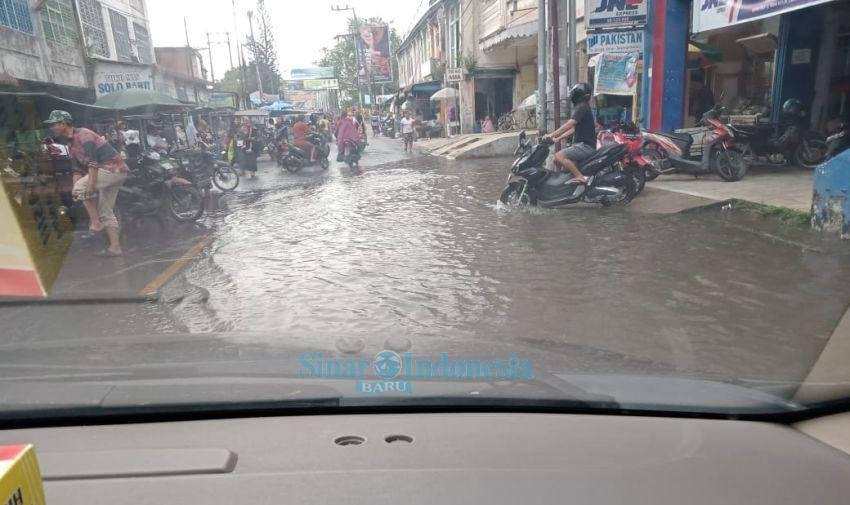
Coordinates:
[324,163]
[651,153]
[225,178]
[628,194]
[639,175]
[292,167]
[729,164]
[811,153]
[185,203]
[511,196]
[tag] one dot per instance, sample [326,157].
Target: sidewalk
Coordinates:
[789,187]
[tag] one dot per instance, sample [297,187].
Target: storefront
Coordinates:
[418,100]
[752,56]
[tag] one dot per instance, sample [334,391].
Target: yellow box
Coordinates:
[20,477]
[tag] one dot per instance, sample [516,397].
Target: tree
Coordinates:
[264,51]
[232,80]
[343,58]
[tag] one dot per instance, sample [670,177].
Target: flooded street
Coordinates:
[417,249]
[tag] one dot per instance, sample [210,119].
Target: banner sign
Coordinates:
[116,77]
[630,41]
[301,74]
[711,14]
[373,55]
[224,100]
[611,13]
[616,74]
[314,84]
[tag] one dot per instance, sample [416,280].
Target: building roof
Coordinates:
[419,24]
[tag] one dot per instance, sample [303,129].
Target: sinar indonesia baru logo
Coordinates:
[394,373]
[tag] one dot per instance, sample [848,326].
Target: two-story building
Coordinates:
[180,73]
[41,48]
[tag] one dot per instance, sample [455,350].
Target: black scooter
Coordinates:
[294,159]
[529,183]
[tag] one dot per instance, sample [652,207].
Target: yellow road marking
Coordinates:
[160,280]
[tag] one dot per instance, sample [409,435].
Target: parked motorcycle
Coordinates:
[529,183]
[294,159]
[838,141]
[788,143]
[389,127]
[153,187]
[202,167]
[628,134]
[670,153]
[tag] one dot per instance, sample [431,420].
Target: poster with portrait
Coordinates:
[373,55]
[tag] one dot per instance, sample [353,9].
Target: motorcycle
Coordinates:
[628,134]
[669,153]
[389,128]
[294,159]
[529,183]
[794,145]
[351,152]
[153,187]
[838,141]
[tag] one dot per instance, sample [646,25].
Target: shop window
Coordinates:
[91,15]
[16,14]
[57,19]
[121,34]
[143,43]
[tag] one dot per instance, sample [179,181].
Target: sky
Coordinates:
[300,38]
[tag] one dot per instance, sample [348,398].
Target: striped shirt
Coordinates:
[86,146]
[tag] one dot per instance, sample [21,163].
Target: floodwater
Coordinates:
[418,250]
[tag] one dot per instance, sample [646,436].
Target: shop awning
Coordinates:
[426,87]
[508,35]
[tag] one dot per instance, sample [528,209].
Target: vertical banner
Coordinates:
[373,55]
[616,74]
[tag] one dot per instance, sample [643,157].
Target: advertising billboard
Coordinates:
[373,55]
[301,74]
[613,13]
[711,14]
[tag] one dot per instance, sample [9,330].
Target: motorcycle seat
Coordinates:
[602,153]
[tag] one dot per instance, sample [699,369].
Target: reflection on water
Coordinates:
[419,249]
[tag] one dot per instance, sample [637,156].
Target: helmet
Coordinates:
[580,92]
[792,107]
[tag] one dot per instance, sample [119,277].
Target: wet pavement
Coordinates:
[415,248]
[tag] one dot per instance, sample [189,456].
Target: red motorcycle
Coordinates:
[711,147]
[626,133]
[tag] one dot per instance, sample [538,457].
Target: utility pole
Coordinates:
[209,48]
[229,51]
[556,67]
[572,43]
[256,62]
[188,52]
[366,67]
[541,66]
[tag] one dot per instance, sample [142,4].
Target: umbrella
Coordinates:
[703,55]
[133,98]
[444,94]
[529,103]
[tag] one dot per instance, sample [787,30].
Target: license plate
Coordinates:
[240,143]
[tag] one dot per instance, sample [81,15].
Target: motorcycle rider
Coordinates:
[300,131]
[107,172]
[582,127]
[347,131]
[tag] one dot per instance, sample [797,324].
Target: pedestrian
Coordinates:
[360,124]
[106,173]
[247,146]
[116,137]
[476,126]
[204,134]
[375,120]
[230,141]
[487,126]
[407,131]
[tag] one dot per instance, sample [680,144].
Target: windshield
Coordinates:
[452,202]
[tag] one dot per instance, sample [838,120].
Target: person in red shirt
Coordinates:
[106,173]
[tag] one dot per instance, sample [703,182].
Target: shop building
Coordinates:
[753,55]
[42,50]
[422,60]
